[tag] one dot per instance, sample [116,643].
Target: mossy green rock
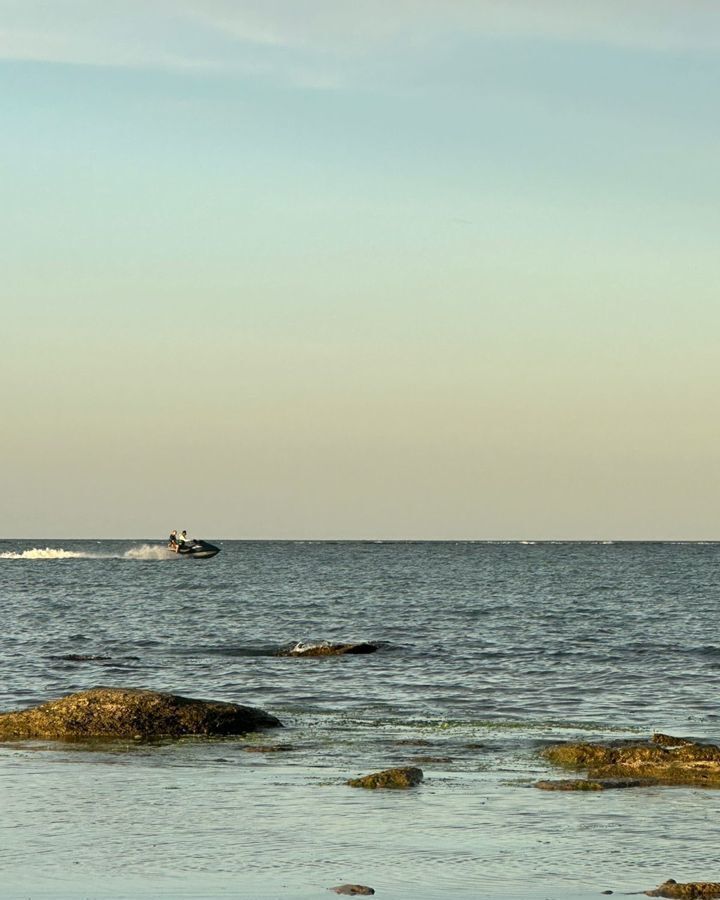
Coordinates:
[131,713]
[690,890]
[395,779]
[662,759]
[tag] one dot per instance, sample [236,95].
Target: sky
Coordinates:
[426,269]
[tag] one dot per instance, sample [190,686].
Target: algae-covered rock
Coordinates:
[327,648]
[668,740]
[585,784]
[400,778]
[690,890]
[131,713]
[663,760]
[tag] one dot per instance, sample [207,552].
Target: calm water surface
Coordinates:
[488,652]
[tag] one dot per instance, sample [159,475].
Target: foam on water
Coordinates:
[149,551]
[47,553]
[303,646]
[143,552]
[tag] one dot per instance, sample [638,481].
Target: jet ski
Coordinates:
[195,549]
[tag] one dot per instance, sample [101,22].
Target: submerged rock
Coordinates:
[81,657]
[269,748]
[690,890]
[352,889]
[433,759]
[326,648]
[584,784]
[131,713]
[396,779]
[662,760]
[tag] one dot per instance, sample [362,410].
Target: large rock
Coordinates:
[129,713]
[663,760]
[327,648]
[400,778]
[690,890]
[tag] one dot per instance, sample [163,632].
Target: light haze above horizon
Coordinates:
[411,270]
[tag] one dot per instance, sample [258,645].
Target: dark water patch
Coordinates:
[81,658]
[241,651]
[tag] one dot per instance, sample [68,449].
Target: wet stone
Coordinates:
[433,759]
[353,889]
[269,748]
[399,778]
[585,784]
[660,760]
[131,713]
[329,649]
[667,740]
[691,890]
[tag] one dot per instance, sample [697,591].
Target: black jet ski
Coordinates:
[195,549]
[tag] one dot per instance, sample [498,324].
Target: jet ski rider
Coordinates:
[173,539]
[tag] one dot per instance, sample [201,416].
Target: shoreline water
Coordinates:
[491,652]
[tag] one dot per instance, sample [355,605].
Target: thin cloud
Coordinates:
[326,42]
[330,25]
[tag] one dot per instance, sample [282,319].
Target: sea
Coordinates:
[487,653]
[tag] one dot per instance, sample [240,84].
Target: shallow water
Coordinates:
[488,651]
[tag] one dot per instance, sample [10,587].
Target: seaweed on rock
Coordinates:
[131,713]
[661,760]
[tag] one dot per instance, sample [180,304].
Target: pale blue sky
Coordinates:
[313,269]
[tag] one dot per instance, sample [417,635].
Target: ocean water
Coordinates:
[488,652]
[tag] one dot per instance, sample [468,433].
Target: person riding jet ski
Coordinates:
[191,547]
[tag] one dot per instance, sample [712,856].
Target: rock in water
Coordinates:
[130,713]
[668,740]
[690,890]
[662,760]
[353,889]
[397,779]
[269,748]
[326,648]
[582,784]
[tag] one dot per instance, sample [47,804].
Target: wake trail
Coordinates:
[143,552]
[47,553]
[149,551]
